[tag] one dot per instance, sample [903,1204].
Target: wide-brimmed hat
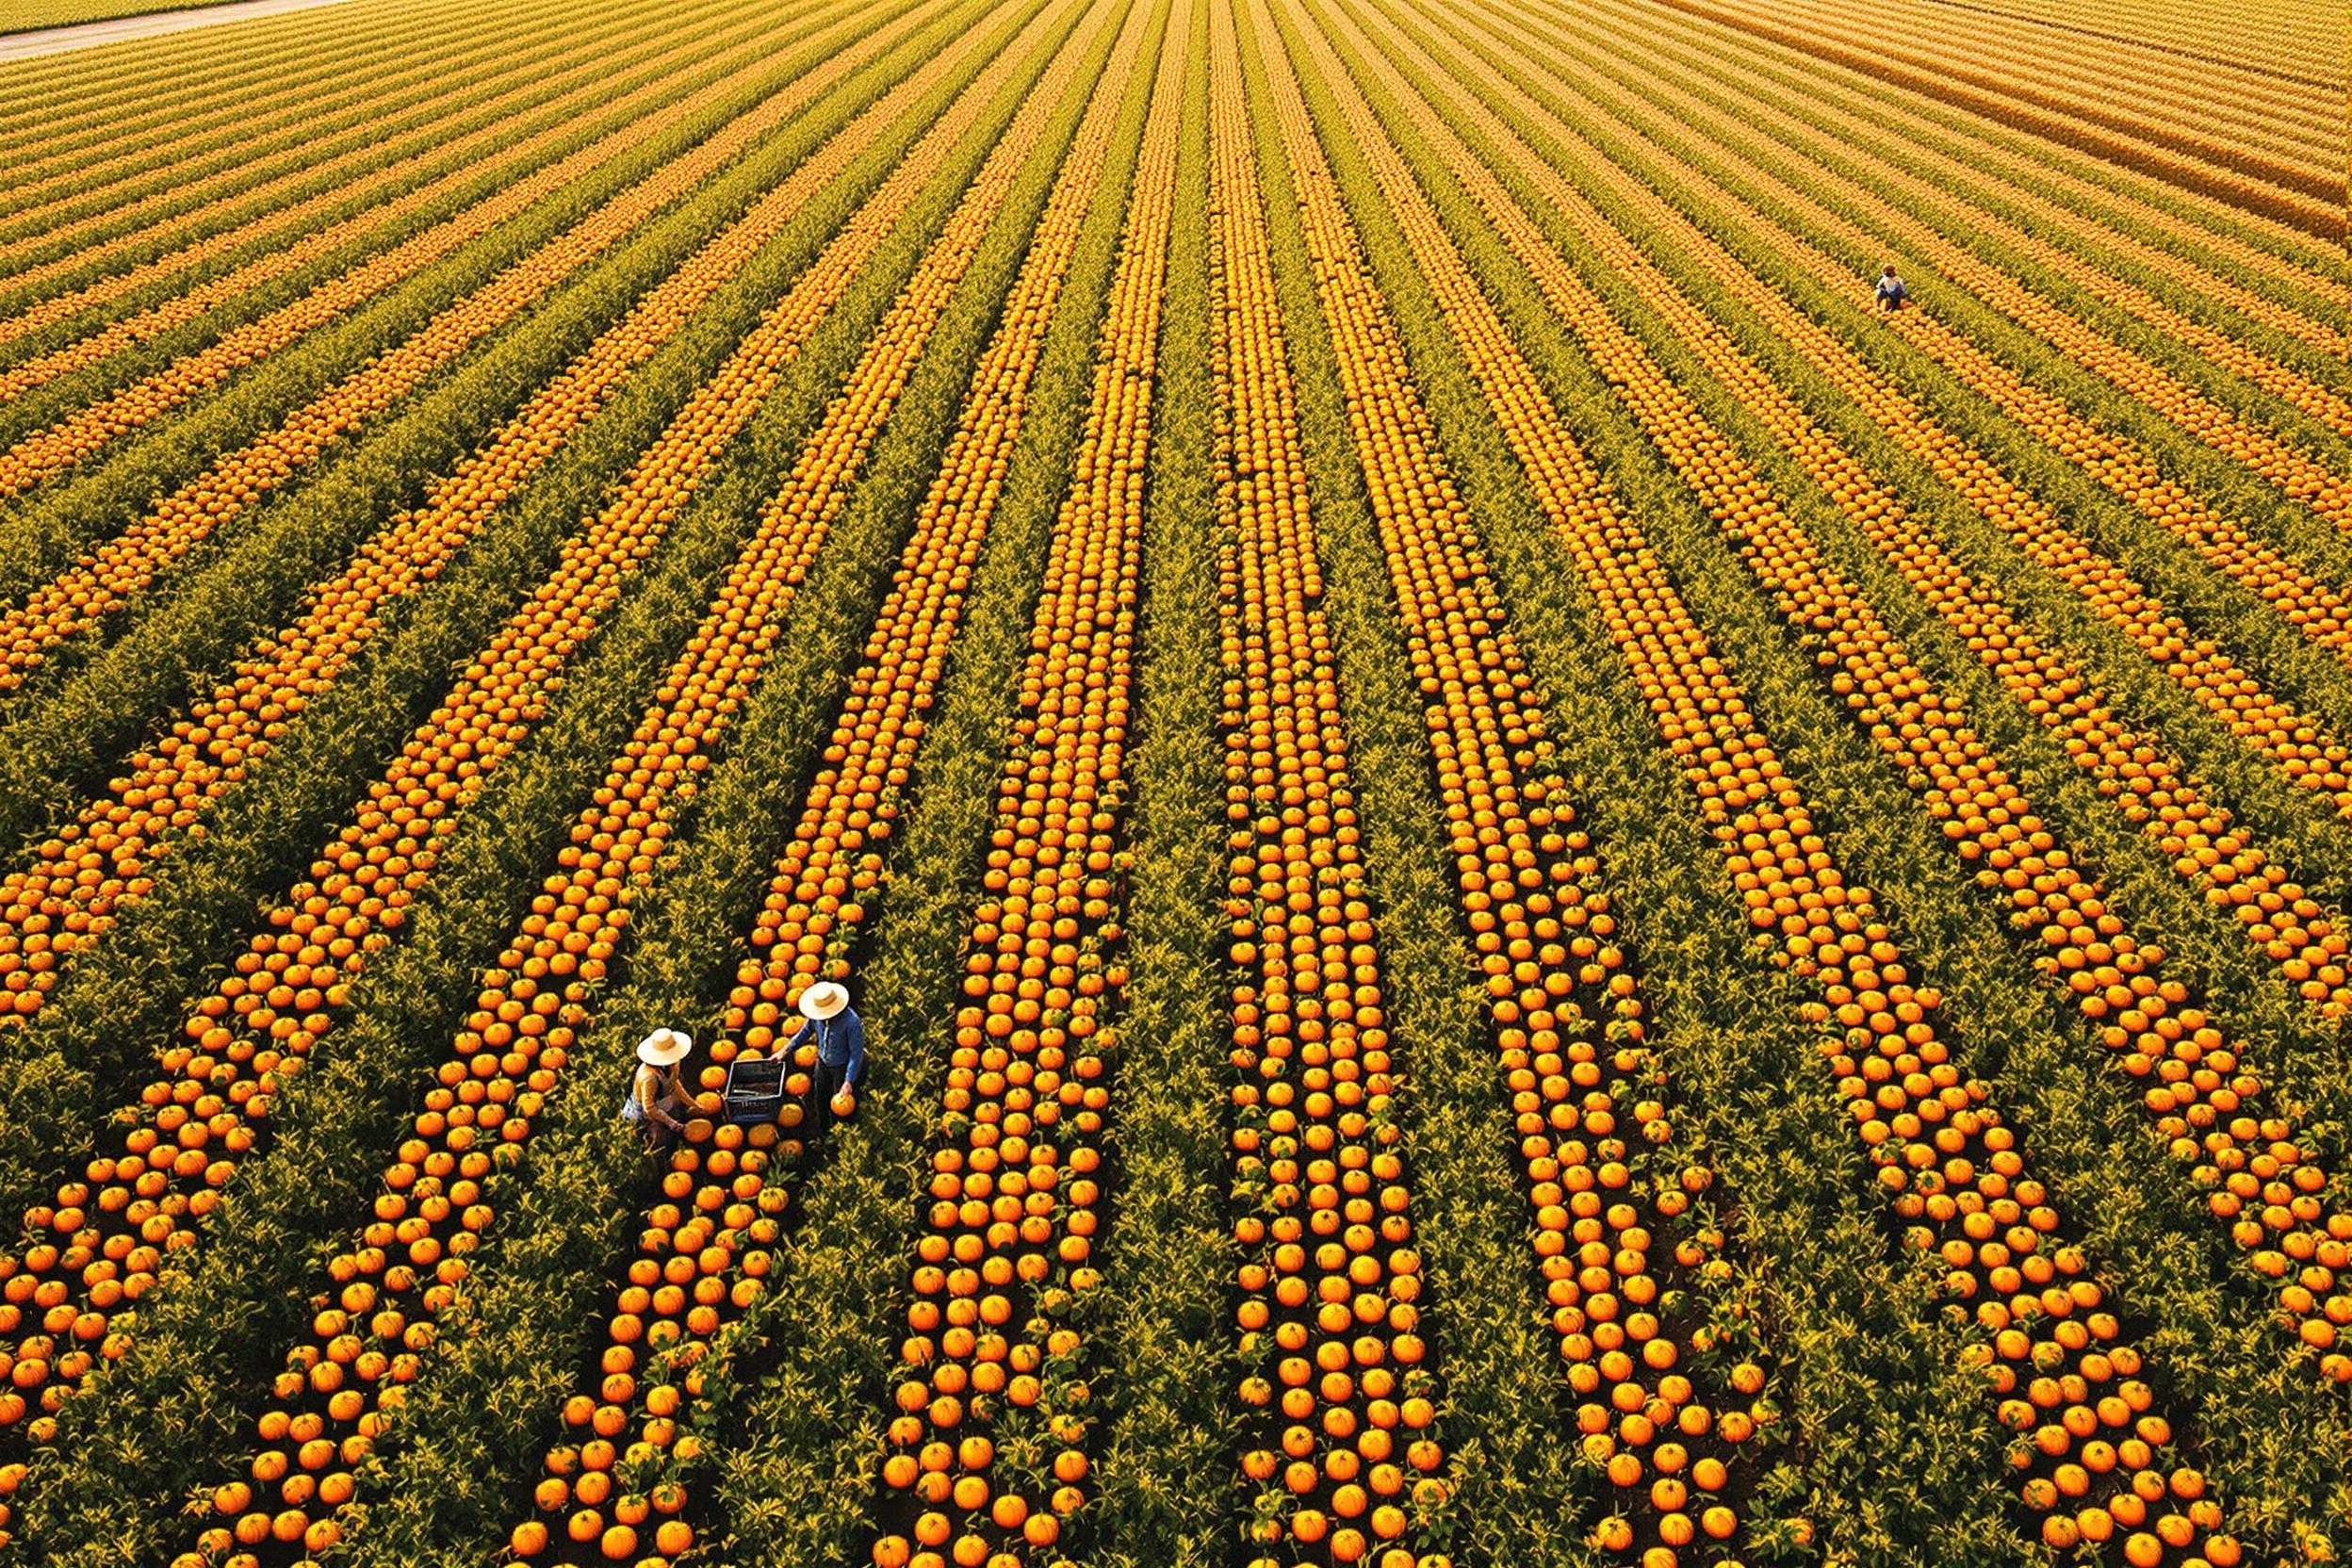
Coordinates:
[823,1000]
[665,1047]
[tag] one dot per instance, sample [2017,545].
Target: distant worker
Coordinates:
[834,1028]
[1893,295]
[658,1102]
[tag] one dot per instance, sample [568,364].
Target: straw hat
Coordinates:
[665,1047]
[823,1000]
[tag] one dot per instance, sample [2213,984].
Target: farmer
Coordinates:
[658,1102]
[1893,295]
[834,1028]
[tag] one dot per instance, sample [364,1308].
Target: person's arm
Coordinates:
[855,1072]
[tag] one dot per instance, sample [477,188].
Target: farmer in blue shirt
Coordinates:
[833,1029]
[1893,295]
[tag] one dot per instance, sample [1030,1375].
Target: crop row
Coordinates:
[2121,466]
[2102,199]
[795,1423]
[821,895]
[2239,110]
[1669,1398]
[104,150]
[264,1018]
[2298,473]
[2284,187]
[67,91]
[1947,1163]
[267,828]
[1991,205]
[739,631]
[1332,1288]
[2081,947]
[989,1450]
[46,454]
[2304,748]
[778,563]
[2285,1265]
[2019,255]
[731,645]
[574,934]
[2292,46]
[486,1383]
[2094,443]
[115,573]
[72,899]
[81,247]
[1800,182]
[364,201]
[1506,449]
[86,262]
[2133,767]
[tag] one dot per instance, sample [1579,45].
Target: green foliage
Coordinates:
[1883,1439]
[1162,1338]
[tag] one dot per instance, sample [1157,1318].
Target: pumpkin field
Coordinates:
[1538,873]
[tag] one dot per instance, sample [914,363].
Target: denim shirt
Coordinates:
[840,1041]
